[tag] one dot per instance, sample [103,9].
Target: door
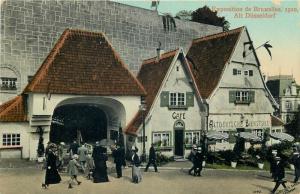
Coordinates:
[179,142]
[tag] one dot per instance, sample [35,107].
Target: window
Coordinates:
[246,72]
[177,99]
[192,137]
[242,96]
[140,139]
[8,83]
[258,132]
[250,72]
[236,72]
[9,139]
[288,105]
[161,139]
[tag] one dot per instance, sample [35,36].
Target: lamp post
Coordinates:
[142,108]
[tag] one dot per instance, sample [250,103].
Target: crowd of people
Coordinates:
[92,164]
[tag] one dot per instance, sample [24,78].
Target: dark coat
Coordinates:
[152,155]
[119,156]
[192,155]
[198,159]
[74,148]
[52,176]
[279,172]
[296,162]
[100,171]
[136,160]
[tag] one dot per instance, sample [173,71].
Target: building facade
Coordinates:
[30,29]
[286,91]
[81,71]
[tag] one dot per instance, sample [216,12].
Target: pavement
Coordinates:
[171,179]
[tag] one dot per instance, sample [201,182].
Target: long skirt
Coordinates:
[100,174]
[52,177]
[136,174]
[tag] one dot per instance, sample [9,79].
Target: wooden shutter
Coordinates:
[252,96]
[164,99]
[234,71]
[189,99]
[232,96]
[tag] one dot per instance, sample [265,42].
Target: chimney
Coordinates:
[159,51]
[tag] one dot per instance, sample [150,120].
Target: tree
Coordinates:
[207,16]
[184,15]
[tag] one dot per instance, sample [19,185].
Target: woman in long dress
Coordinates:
[136,171]
[52,176]
[100,158]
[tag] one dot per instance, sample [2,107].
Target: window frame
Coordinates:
[193,135]
[11,139]
[242,97]
[161,133]
[177,100]
[8,83]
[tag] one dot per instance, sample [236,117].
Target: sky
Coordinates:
[280,26]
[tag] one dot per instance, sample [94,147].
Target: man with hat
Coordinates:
[279,174]
[198,160]
[191,158]
[296,163]
[118,159]
[152,159]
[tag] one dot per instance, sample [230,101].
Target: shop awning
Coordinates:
[282,136]
[248,136]
[215,135]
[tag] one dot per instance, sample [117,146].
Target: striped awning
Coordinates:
[216,135]
[282,136]
[248,136]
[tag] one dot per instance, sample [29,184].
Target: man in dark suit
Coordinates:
[118,159]
[296,163]
[279,174]
[198,160]
[152,159]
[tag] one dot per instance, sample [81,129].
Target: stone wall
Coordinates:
[30,28]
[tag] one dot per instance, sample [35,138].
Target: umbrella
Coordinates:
[215,135]
[105,142]
[249,136]
[282,136]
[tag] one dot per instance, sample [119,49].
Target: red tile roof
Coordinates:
[208,56]
[151,75]
[275,121]
[13,110]
[84,63]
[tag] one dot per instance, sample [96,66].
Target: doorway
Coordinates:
[179,143]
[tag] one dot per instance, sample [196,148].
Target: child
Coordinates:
[73,170]
[89,166]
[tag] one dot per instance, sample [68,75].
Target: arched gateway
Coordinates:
[82,90]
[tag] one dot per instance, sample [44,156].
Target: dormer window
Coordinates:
[177,99]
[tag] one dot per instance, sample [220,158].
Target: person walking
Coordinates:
[273,162]
[152,159]
[197,162]
[60,152]
[82,153]
[191,158]
[100,158]
[74,148]
[136,172]
[52,176]
[73,170]
[296,163]
[118,159]
[279,174]
[89,166]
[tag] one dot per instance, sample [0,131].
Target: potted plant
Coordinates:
[260,162]
[233,159]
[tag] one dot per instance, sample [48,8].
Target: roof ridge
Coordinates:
[14,103]
[84,32]
[163,56]
[218,35]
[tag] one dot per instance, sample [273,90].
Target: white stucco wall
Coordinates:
[162,119]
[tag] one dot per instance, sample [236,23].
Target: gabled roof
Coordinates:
[151,76]
[208,57]
[84,63]
[13,110]
[275,121]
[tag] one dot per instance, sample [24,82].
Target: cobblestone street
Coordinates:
[176,181]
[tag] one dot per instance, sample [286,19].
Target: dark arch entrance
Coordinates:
[71,121]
